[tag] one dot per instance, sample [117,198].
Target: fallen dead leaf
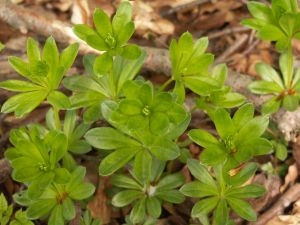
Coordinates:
[290,178]
[99,205]
[147,20]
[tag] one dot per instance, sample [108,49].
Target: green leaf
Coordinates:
[68,209]
[108,138]
[200,172]
[202,86]
[138,211]
[51,55]
[116,160]
[40,208]
[23,103]
[102,23]
[125,182]
[153,207]
[58,100]
[103,64]
[290,102]
[242,208]
[38,186]
[142,166]
[164,149]
[202,138]
[83,31]
[21,67]
[124,34]
[131,52]
[122,17]
[223,123]
[214,156]
[124,198]
[244,114]
[171,196]
[58,144]
[221,214]
[199,190]
[287,22]
[260,11]
[271,33]
[271,106]
[159,123]
[170,182]
[19,86]
[244,175]
[56,216]
[264,87]
[281,151]
[204,206]
[68,56]
[33,51]
[82,191]
[267,73]
[253,128]
[248,191]
[97,42]
[220,73]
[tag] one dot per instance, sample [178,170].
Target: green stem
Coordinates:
[163,87]
[290,62]
[56,117]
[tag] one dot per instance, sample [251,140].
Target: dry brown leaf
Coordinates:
[293,219]
[147,20]
[290,178]
[99,205]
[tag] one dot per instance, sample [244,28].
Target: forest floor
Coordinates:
[157,23]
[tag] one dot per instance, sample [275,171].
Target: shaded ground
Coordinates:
[157,22]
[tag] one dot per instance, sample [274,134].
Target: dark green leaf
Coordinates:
[138,211]
[221,214]
[116,160]
[244,114]
[142,166]
[170,182]
[204,206]
[248,191]
[153,207]
[242,208]
[245,174]
[200,172]
[124,198]
[125,182]
[165,149]
[108,138]
[171,196]
[56,216]
[68,209]
[199,190]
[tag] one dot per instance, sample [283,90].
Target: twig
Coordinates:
[226,31]
[182,6]
[283,202]
[242,39]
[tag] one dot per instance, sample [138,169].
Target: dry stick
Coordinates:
[182,6]
[222,58]
[157,60]
[290,196]
[227,31]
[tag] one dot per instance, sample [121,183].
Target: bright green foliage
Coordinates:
[220,195]
[57,199]
[35,158]
[280,22]
[88,220]
[6,214]
[239,138]
[73,131]
[285,92]
[146,124]
[191,69]
[110,36]
[146,197]
[44,70]
[89,91]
